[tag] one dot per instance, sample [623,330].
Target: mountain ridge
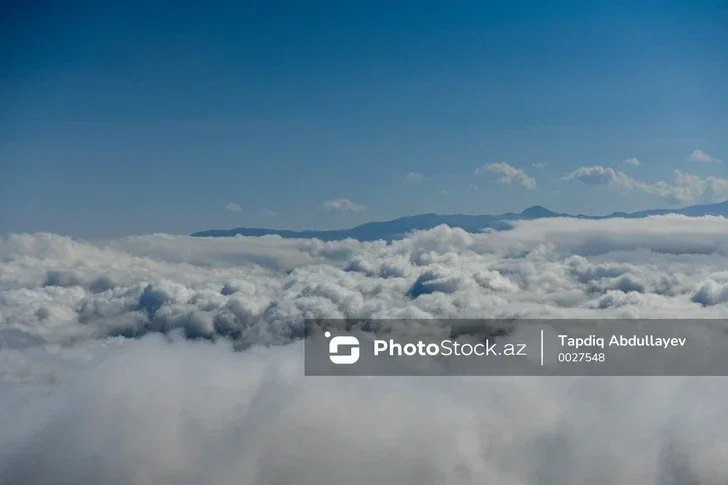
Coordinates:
[398,228]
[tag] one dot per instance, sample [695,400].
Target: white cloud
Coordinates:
[269,213]
[632,161]
[103,409]
[186,413]
[699,156]
[685,188]
[474,187]
[54,288]
[598,175]
[414,177]
[233,207]
[539,165]
[509,175]
[342,206]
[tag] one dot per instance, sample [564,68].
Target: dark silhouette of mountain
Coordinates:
[398,228]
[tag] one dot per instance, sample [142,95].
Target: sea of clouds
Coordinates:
[166,359]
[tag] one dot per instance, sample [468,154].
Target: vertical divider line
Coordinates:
[541,348]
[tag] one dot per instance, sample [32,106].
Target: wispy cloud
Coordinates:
[342,206]
[414,177]
[539,165]
[269,213]
[699,156]
[632,161]
[509,175]
[232,207]
[685,187]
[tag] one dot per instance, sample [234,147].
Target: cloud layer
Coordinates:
[92,393]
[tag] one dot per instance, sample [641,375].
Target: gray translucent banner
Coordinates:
[516,347]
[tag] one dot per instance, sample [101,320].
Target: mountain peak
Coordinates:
[537,211]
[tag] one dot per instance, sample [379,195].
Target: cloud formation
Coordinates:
[342,206]
[270,213]
[232,207]
[508,175]
[414,177]
[699,156]
[685,188]
[92,392]
[242,285]
[632,161]
[598,175]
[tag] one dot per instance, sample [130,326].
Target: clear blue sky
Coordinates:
[135,117]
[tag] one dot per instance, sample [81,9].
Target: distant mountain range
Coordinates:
[398,228]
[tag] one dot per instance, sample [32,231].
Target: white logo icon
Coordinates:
[348,341]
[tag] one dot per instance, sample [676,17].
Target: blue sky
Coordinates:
[131,117]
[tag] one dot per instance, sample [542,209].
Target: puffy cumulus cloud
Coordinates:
[685,188]
[99,385]
[688,188]
[508,175]
[232,207]
[54,288]
[699,156]
[342,206]
[632,161]
[598,175]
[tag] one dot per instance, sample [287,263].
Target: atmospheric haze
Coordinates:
[102,378]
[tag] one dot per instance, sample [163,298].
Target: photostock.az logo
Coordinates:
[343,341]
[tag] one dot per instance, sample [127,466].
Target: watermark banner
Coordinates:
[516,347]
